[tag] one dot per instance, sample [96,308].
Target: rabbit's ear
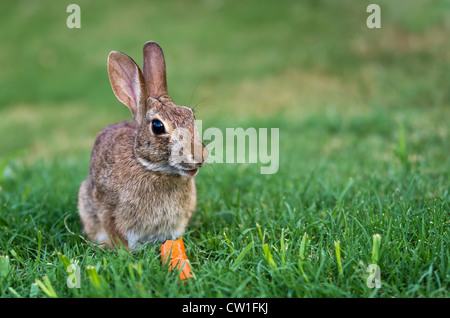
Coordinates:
[154,69]
[126,80]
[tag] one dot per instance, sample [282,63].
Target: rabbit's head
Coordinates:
[167,138]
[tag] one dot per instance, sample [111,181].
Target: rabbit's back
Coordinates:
[113,148]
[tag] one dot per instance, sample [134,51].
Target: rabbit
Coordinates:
[136,192]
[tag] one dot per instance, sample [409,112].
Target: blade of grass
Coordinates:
[260,233]
[4,266]
[47,287]
[269,257]
[93,275]
[282,251]
[376,240]
[64,260]
[303,245]
[341,197]
[131,272]
[39,247]
[242,254]
[14,292]
[337,246]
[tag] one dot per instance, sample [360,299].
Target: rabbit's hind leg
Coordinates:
[88,214]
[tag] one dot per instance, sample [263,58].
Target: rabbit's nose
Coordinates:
[199,156]
[201,164]
[198,163]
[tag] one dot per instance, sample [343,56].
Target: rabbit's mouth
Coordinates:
[167,168]
[188,169]
[192,172]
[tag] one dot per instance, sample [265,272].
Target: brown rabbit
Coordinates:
[140,187]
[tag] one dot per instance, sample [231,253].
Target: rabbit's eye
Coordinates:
[158,127]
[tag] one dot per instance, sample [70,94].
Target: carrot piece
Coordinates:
[174,253]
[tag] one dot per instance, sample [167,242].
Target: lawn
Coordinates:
[363,146]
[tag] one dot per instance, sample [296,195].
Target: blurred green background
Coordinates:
[234,61]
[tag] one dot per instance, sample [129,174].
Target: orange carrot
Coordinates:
[174,253]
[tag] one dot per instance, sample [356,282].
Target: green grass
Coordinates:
[364,146]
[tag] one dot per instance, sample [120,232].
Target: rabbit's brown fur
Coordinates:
[134,192]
